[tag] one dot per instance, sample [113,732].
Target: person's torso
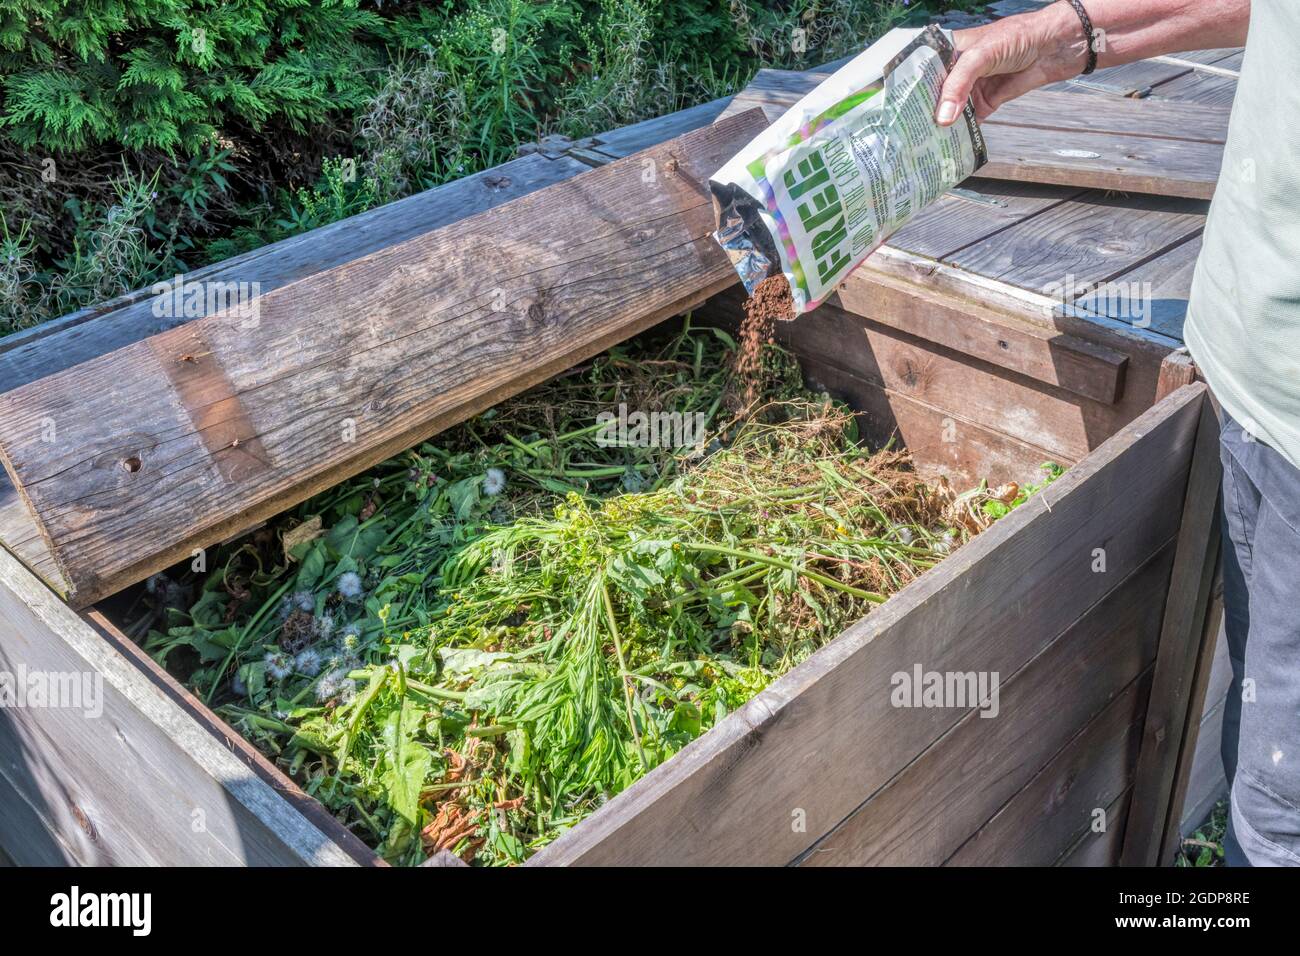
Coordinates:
[1244,314]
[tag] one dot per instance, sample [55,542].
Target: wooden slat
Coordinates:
[1176,370]
[1130,79]
[1224,57]
[753,790]
[941,442]
[1030,304]
[95,331]
[62,343]
[1175,688]
[928,811]
[1047,817]
[1158,165]
[1212,86]
[1053,420]
[22,538]
[1206,655]
[180,441]
[1220,670]
[627,140]
[1073,364]
[1101,848]
[131,779]
[1206,785]
[228,739]
[1162,285]
[978,209]
[964,420]
[1116,116]
[1094,240]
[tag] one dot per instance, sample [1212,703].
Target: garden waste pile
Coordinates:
[476,644]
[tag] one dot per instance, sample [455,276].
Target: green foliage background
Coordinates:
[143,137]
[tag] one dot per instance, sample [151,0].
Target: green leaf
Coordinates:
[406,765]
[313,567]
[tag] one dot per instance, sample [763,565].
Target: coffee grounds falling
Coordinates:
[770,303]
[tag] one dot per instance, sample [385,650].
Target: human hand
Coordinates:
[1002,60]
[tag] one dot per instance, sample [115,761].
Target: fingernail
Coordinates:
[947,112]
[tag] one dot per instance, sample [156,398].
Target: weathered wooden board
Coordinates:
[1213,85]
[1054,358]
[1186,648]
[1168,149]
[1136,80]
[1116,116]
[1206,648]
[754,791]
[966,422]
[926,813]
[1045,819]
[627,140]
[92,332]
[1079,243]
[120,773]
[1153,294]
[978,209]
[1207,784]
[179,441]
[1101,847]
[60,344]
[21,537]
[943,443]
[1158,164]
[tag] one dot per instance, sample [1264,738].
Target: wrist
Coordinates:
[1062,44]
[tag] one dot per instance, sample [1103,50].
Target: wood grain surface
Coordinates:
[349,366]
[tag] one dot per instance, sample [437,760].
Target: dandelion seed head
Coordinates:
[330,684]
[324,626]
[278,665]
[494,481]
[349,585]
[308,662]
[304,601]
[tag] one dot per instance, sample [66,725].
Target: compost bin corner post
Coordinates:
[1182,663]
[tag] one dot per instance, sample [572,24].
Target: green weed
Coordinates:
[476,644]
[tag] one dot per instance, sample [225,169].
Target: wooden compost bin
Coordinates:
[1092,602]
[1095,670]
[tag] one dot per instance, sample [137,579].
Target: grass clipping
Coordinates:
[476,644]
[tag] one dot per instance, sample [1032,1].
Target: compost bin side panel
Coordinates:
[107,770]
[1060,729]
[768,782]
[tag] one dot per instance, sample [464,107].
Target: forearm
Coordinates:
[1130,30]
[1007,58]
